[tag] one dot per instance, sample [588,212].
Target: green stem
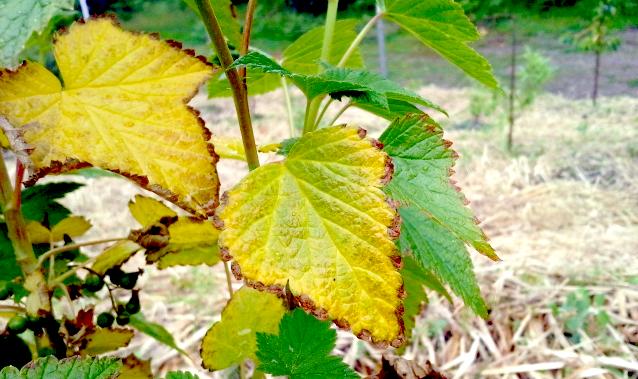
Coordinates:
[341,111]
[229,280]
[245,42]
[236,83]
[328,35]
[291,119]
[357,41]
[62,249]
[323,112]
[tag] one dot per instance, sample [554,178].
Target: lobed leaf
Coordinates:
[233,339]
[436,223]
[443,26]
[301,350]
[319,221]
[40,201]
[122,108]
[20,19]
[70,368]
[73,226]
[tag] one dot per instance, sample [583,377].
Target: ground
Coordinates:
[561,211]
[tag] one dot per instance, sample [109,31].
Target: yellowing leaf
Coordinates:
[73,226]
[122,108]
[319,221]
[103,340]
[135,368]
[229,148]
[114,256]
[148,211]
[192,242]
[233,339]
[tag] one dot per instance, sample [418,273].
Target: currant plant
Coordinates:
[343,228]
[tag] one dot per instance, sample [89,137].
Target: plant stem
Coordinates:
[512,94]
[291,119]
[236,83]
[35,282]
[594,94]
[229,281]
[341,111]
[328,35]
[323,112]
[357,41]
[12,308]
[62,249]
[245,42]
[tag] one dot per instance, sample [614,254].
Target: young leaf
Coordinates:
[301,350]
[423,164]
[441,252]
[115,256]
[20,19]
[103,340]
[443,26]
[156,331]
[122,108]
[319,221]
[71,368]
[232,340]
[303,55]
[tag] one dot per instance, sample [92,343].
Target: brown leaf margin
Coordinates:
[303,300]
[56,167]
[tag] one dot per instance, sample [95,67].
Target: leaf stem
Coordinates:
[236,83]
[291,119]
[229,280]
[53,252]
[323,112]
[341,111]
[245,42]
[312,109]
[357,41]
[12,308]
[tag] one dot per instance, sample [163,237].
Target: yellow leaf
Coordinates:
[114,256]
[320,221]
[103,340]
[135,368]
[192,242]
[234,338]
[38,233]
[73,226]
[148,211]
[229,147]
[122,108]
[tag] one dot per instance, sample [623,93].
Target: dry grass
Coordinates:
[562,212]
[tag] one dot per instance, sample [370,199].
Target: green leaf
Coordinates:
[396,108]
[69,368]
[181,375]
[439,251]
[423,164]
[233,339]
[156,331]
[10,268]
[20,19]
[303,55]
[224,12]
[322,207]
[436,223]
[39,202]
[414,278]
[301,350]
[443,26]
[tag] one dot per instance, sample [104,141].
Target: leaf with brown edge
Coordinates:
[104,340]
[122,108]
[135,368]
[320,221]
